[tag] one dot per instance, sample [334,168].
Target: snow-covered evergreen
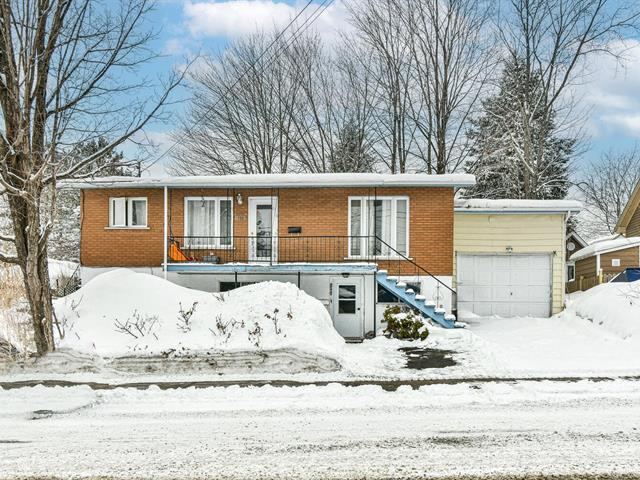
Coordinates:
[351,152]
[517,151]
[64,241]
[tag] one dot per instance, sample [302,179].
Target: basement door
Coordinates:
[347,307]
[509,285]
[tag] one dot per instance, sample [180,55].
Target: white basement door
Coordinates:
[509,285]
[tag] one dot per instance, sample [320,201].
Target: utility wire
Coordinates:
[294,36]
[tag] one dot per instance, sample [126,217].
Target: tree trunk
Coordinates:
[31,248]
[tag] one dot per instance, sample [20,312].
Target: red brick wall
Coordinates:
[319,211]
[101,246]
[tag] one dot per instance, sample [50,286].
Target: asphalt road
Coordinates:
[520,430]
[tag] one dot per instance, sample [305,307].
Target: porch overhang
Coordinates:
[276,268]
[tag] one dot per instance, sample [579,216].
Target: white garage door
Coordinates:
[506,285]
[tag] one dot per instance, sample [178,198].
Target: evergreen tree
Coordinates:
[64,240]
[517,151]
[350,153]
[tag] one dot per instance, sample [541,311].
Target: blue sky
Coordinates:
[610,97]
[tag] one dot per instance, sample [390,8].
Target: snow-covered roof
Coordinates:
[282,180]
[481,205]
[604,246]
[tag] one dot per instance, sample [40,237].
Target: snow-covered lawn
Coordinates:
[140,327]
[321,432]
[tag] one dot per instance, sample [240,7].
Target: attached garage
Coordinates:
[509,256]
[508,285]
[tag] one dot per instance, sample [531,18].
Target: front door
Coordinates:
[346,300]
[263,229]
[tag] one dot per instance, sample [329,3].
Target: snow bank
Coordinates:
[123,313]
[614,306]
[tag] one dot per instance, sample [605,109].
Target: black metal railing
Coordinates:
[295,249]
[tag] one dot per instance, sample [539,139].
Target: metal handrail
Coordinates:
[327,250]
[415,264]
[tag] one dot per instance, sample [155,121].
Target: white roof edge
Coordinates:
[606,246]
[286,180]
[477,205]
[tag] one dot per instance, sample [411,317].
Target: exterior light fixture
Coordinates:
[239,199]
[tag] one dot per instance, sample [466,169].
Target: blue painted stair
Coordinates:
[418,302]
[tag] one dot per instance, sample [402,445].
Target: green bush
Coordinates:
[403,324]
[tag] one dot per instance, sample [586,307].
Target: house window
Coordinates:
[125,212]
[571,272]
[208,222]
[378,226]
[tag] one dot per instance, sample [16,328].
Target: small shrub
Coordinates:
[255,335]
[403,324]
[184,317]
[138,326]
[225,329]
[274,319]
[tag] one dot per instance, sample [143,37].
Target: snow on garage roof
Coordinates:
[282,180]
[604,246]
[481,205]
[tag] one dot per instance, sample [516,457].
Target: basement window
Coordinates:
[125,212]
[227,286]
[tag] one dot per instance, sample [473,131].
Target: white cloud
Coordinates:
[612,93]
[629,122]
[236,18]
[149,145]
[174,46]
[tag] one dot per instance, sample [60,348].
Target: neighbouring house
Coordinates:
[573,244]
[603,260]
[629,222]
[510,256]
[606,258]
[357,242]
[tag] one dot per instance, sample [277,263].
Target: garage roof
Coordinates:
[481,205]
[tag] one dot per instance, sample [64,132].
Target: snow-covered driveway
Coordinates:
[321,432]
[549,347]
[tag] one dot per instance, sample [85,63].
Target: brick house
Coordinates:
[357,242]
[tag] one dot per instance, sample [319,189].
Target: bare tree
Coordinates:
[241,113]
[607,185]
[379,26]
[553,38]
[67,75]
[453,56]
[315,121]
[281,112]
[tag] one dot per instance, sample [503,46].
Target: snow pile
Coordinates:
[614,306]
[123,313]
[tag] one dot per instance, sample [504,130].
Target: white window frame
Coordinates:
[216,229]
[364,218]
[128,213]
[570,264]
